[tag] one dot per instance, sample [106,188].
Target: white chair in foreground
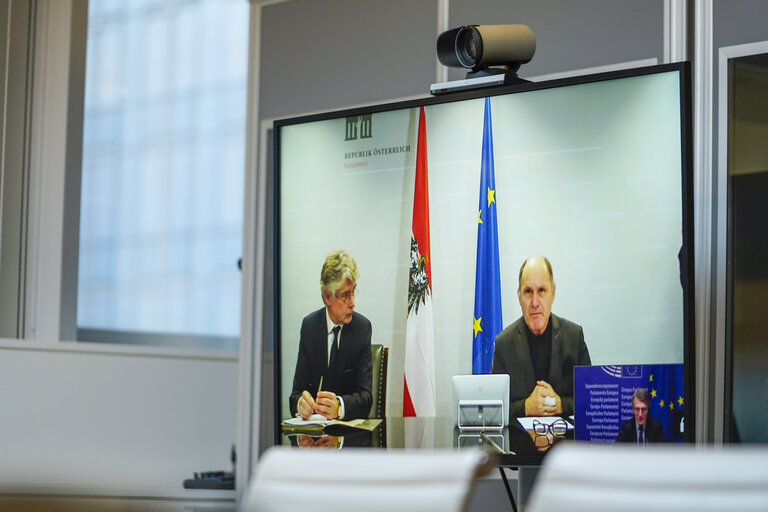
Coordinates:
[576,478]
[316,480]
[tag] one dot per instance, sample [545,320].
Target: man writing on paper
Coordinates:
[539,350]
[641,428]
[333,368]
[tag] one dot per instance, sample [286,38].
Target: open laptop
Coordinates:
[482,401]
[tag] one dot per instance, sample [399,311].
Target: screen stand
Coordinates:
[480,414]
[526,478]
[509,490]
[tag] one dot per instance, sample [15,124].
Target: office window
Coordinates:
[161,212]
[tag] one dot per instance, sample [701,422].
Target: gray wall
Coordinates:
[318,55]
[738,22]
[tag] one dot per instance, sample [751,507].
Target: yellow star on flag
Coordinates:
[477,328]
[650,379]
[653,393]
[480,217]
[671,406]
[491,196]
[661,403]
[680,401]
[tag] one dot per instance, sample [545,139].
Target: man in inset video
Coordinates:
[333,368]
[641,428]
[540,349]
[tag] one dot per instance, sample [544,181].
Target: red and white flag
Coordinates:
[419,389]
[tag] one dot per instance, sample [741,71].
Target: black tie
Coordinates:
[641,435]
[334,347]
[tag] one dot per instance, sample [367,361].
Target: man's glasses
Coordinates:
[347,296]
[557,428]
[548,433]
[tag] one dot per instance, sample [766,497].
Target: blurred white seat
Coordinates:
[372,480]
[576,478]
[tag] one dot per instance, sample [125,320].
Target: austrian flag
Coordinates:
[419,385]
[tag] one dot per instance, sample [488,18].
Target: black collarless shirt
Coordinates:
[540,348]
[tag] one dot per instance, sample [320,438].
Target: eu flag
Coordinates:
[487,321]
[666,385]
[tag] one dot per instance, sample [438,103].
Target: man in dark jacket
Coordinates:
[540,349]
[333,368]
[642,428]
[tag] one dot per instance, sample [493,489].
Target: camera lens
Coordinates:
[469,47]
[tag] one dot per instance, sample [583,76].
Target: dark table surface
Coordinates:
[514,445]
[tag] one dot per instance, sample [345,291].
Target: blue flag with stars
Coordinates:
[487,321]
[666,385]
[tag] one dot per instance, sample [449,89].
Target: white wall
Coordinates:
[93,418]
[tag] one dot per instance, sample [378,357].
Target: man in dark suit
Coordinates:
[642,428]
[333,368]
[540,349]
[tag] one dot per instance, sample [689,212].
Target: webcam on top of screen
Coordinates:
[478,48]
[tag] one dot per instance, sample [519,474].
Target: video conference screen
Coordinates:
[592,173]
